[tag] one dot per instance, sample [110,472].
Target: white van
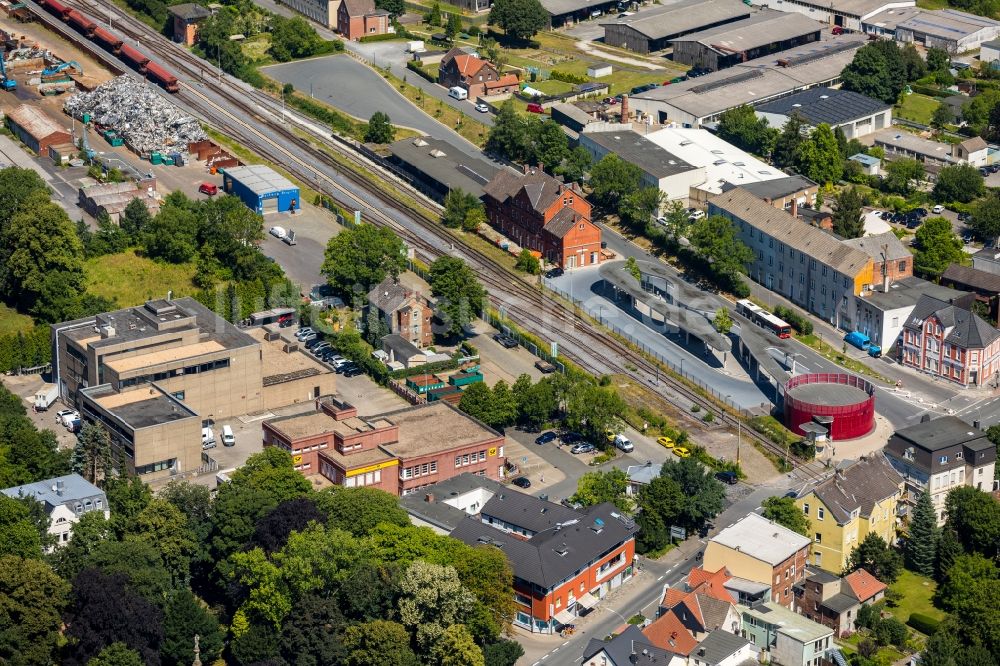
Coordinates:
[458,93]
[623,444]
[228,438]
[207,438]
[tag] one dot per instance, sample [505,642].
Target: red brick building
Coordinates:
[463,70]
[405,312]
[398,452]
[540,213]
[359,18]
[186,18]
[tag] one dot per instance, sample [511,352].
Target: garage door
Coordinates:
[270,205]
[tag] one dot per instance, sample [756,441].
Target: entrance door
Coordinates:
[571,261]
[270,205]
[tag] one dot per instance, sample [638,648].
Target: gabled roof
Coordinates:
[359,7]
[825,105]
[863,585]
[466,63]
[562,222]
[388,296]
[669,633]
[504,81]
[540,188]
[858,487]
[620,648]
[974,144]
[972,277]
[964,329]
[719,646]
[189,11]
[874,246]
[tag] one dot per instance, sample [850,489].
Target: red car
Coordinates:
[209,188]
[535,108]
[837,30]
[610,100]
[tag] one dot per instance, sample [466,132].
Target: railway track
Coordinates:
[525,306]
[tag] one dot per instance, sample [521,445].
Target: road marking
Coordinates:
[564,644]
[554,650]
[544,658]
[536,663]
[661,578]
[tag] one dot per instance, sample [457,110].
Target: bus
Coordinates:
[763,318]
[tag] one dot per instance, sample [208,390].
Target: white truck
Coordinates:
[416,46]
[45,397]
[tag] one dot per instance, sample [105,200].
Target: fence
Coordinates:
[522,339]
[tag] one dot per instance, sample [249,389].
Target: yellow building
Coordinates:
[844,508]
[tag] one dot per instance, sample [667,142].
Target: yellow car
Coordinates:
[665,442]
[610,434]
[682,452]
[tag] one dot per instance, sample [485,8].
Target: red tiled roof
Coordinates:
[668,633]
[503,81]
[468,64]
[864,585]
[673,597]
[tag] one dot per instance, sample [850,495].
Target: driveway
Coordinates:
[352,87]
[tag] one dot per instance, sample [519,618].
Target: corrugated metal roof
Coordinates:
[761,29]
[33,121]
[261,179]
[682,17]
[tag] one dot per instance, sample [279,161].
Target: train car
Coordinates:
[108,40]
[134,58]
[57,8]
[158,73]
[81,23]
[761,317]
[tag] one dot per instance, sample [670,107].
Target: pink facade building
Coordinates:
[950,342]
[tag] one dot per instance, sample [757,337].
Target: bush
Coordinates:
[414,67]
[566,77]
[795,320]
[803,449]
[925,624]
[380,38]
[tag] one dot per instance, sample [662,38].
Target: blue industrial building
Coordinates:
[262,189]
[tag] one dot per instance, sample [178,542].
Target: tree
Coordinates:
[877,70]
[722,322]
[195,502]
[139,560]
[937,59]
[922,540]
[818,156]
[359,510]
[396,8]
[162,525]
[962,577]
[453,27]
[847,219]
[432,599]
[901,175]
[455,647]
[632,266]
[459,294]
[519,19]
[117,654]
[528,262]
[971,591]
[937,248]
[315,636]
[378,643]
[960,182]
[294,515]
[574,168]
[783,511]
[457,205]
[986,216]
[104,611]
[714,239]
[18,188]
[496,407]
[135,218]
[370,591]
[612,179]
[875,556]
[380,128]
[434,16]
[941,117]
[503,652]
[661,502]
[363,256]
[474,218]
[975,518]
[948,549]
[598,487]
[537,403]
[741,127]
[637,208]
[127,498]
[32,597]
[703,493]
[18,535]
[509,135]
[787,144]
[593,408]
[172,235]
[93,453]
[187,617]
[549,144]
[914,64]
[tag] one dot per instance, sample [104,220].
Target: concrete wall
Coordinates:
[323,12]
[297,391]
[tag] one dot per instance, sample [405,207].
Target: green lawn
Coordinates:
[933,4]
[918,108]
[12,321]
[132,280]
[917,593]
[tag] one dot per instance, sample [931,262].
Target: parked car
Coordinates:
[610,101]
[207,437]
[304,331]
[228,436]
[308,337]
[571,437]
[353,371]
[482,107]
[623,444]
[278,232]
[535,108]
[312,342]
[521,482]
[554,273]
[62,414]
[696,215]
[583,447]
[505,341]
[665,442]
[938,209]
[682,452]
[727,477]
[211,189]
[320,348]
[545,437]
[544,367]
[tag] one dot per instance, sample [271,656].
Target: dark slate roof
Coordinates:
[555,554]
[531,513]
[359,7]
[562,222]
[388,295]
[189,11]
[972,277]
[435,511]
[640,151]
[718,646]
[820,576]
[840,602]
[966,329]
[620,649]
[777,188]
[402,349]
[944,432]
[541,188]
[444,163]
[825,105]
[858,487]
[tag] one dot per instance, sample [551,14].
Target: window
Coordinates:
[819,538]
[805,509]
[820,513]
[943,460]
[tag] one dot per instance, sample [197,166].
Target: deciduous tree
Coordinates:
[986,216]
[363,256]
[380,128]
[714,239]
[359,510]
[960,182]
[18,536]
[519,19]
[741,127]
[787,144]
[703,494]
[818,156]
[432,599]
[378,643]
[937,248]
[459,294]
[902,175]
[613,179]
[975,518]
[783,511]
[877,70]
[116,654]
[294,515]
[595,488]
[455,647]
[509,135]
[875,556]
[948,549]
[661,502]
[32,598]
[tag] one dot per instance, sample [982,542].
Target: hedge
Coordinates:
[925,624]
[414,67]
[426,369]
[566,77]
[797,321]
[385,37]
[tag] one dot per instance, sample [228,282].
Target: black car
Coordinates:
[571,437]
[545,437]
[315,341]
[554,273]
[727,477]
[962,217]
[505,341]
[521,482]
[352,371]
[285,323]
[343,370]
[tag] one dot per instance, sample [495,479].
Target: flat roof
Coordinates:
[435,427]
[357,458]
[888,19]
[858,8]
[947,24]
[760,29]
[779,187]
[763,539]
[261,179]
[682,17]
[277,363]
[818,63]
[906,292]
[444,163]
[902,140]
[165,356]
[825,105]
[722,161]
[144,407]
[836,395]
[648,155]
[788,622]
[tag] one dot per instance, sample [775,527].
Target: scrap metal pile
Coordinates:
[139,114]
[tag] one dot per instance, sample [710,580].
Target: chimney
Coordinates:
[541,167]
[60,486]
[624,108]
[429,497]
[795,208]
[526,168]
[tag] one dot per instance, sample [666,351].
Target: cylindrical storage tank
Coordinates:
[134,58]
[156,71]
[81,23]
[847,401]
[108,40]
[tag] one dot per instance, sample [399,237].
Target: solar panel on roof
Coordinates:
[728,81]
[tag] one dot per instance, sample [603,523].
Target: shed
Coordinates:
[262,189]
[36,130]
[599,70]
[465,378]
[424,383]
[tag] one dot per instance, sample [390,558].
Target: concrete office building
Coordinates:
[65,500]
[697,101]
[323,12]
[948,29]
[763,34]
[802,263]
[652,29]
[847,14]
[262,189]
[856,115]
[153,373]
